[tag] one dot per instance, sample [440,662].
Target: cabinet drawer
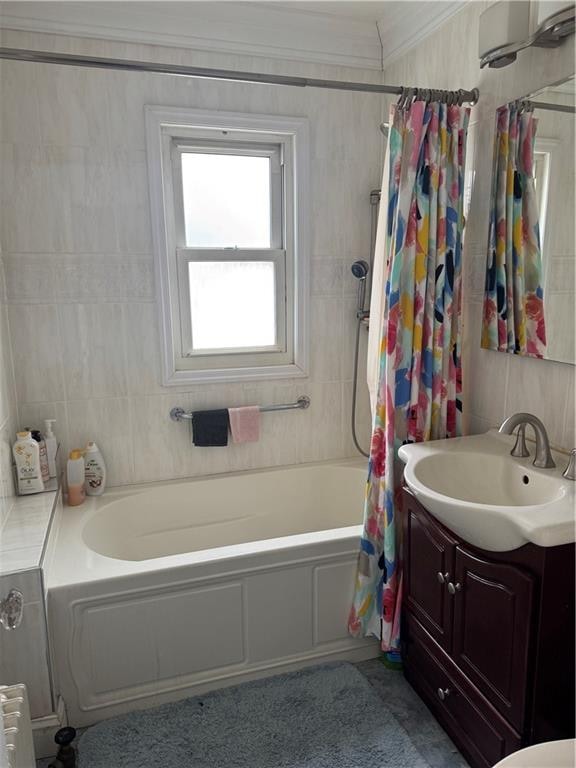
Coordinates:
[476,727]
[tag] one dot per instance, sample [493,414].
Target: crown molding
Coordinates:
[266,32]
[273,30]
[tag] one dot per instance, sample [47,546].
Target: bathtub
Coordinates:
[164,591]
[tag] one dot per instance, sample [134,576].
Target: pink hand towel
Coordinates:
[245,424]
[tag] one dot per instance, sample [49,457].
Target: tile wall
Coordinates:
[496,384]
[75,224]
[7,407]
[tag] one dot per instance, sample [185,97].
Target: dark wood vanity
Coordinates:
[488,637]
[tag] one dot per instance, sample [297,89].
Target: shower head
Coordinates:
[360,269]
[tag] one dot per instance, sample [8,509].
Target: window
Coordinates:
[228,207]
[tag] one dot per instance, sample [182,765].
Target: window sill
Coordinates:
[177,378]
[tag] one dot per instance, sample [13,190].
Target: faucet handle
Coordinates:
[520,448]
[570,471]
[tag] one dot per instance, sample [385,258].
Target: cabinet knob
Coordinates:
[453,588]
[442,577]
[443,693]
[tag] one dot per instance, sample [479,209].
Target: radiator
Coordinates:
[17,726]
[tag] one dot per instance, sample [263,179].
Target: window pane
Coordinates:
[226,200]
[232,304]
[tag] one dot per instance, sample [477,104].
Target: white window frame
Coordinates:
[171,131]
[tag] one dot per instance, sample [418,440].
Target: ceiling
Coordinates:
[355,34]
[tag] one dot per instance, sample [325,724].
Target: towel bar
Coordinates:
[303,402]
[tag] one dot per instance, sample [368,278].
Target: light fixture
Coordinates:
[504,30]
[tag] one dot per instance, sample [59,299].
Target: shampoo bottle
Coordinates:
[95,470]
[27,457]
[51,446]
[75,478]
[37,435]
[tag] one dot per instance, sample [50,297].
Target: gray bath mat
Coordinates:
[327,716]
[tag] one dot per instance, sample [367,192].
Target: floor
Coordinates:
[428,737]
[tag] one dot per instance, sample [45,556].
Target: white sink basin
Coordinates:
[489,498]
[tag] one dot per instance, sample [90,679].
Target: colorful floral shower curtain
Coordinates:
[513,302]
[419,392]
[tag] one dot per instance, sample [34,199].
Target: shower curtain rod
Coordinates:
[553,107]
[47,57]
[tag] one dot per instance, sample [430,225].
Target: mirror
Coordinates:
[529,300]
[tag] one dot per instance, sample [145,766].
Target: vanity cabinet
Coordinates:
[488,637]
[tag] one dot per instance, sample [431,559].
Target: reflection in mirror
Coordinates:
[529,301]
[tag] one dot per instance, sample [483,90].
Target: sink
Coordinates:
[492,500]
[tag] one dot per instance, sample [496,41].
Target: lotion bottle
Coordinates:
[95,470]
[51,446]
[75,478]
[27,457]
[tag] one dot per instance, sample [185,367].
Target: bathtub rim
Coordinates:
[82,565]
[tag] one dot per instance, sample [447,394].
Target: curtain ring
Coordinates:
[406,98]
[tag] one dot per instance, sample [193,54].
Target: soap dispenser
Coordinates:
[37,435]
[51,446]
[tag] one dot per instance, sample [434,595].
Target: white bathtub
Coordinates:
[163,591]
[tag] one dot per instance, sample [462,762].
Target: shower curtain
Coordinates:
[418,393]
[513,302]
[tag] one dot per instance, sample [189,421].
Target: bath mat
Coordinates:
[327,716]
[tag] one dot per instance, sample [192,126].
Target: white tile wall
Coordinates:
[7,407]
[78,254]
[79,264]
[496,384]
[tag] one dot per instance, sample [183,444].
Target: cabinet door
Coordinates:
[492,628]
[429,563]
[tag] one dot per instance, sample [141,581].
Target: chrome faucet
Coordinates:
[570,471]
[543,458]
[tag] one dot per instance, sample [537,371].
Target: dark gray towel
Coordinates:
[210,428]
